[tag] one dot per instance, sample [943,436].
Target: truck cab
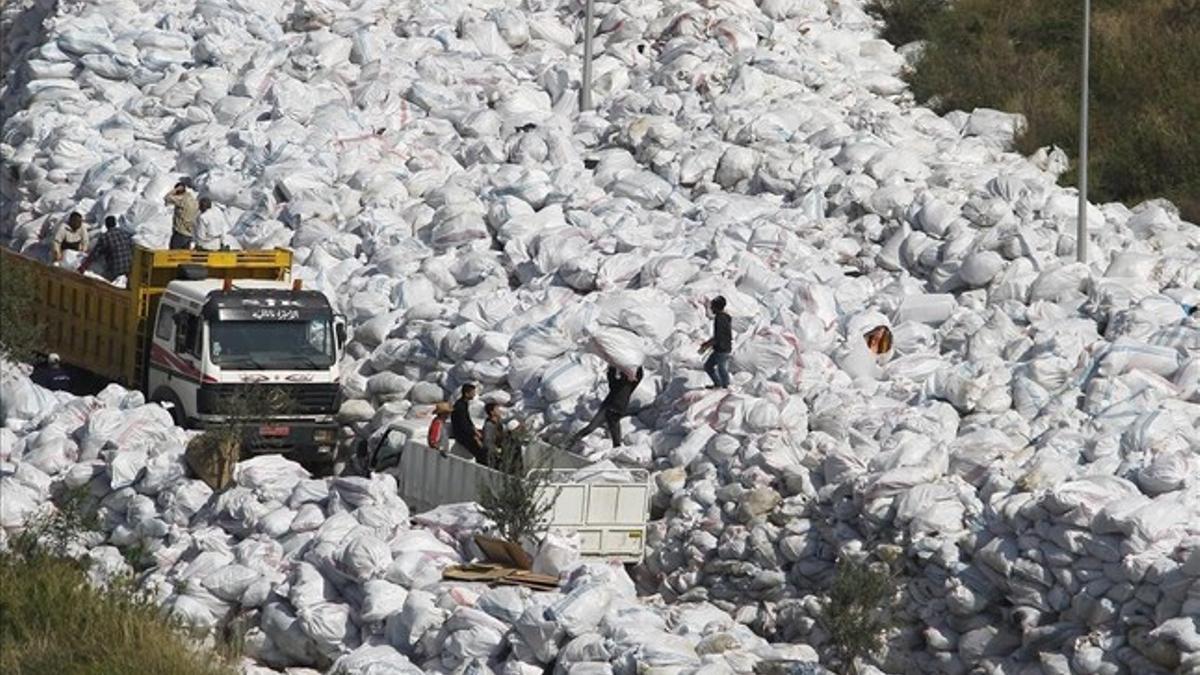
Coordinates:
[213,341]
[198,331]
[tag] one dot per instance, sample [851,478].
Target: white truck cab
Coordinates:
[214,338]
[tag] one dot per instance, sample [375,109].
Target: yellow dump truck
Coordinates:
[193,329]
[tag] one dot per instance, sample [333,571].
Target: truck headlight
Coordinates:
[324,435]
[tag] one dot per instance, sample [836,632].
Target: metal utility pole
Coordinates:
[585,90]
[1081,233]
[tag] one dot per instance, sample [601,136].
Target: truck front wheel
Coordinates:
[334,466]
[324,469]
[167,399]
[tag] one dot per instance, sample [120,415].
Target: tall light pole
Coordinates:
[1081,233]
[585,90]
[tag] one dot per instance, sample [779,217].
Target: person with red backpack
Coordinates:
[439,439]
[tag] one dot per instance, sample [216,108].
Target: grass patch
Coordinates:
[904,20]
[53,623]
[1024,56]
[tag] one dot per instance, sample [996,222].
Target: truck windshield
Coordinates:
[272,345]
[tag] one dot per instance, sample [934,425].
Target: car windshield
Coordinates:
[272,345]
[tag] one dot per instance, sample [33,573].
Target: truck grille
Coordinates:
[297,399]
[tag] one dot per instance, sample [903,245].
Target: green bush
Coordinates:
[212,455]
[521,501]
[859,611]
[1023,56]
[20,336]
[905,21]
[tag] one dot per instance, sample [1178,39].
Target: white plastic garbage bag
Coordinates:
[365,557]
[329,627]
[581,610]
[374,660]
[557,554]
[381,599]
[621,348]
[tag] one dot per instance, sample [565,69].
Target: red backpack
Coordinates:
[435,432]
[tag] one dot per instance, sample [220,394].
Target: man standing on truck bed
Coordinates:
[212,227]
[183,221]
[115,250]
[70,236]
[467,441]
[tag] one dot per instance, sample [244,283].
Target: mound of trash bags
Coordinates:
[326,573]
[1030,445]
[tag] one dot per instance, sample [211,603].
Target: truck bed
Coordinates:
[608,510]
[87,321]
[102,328]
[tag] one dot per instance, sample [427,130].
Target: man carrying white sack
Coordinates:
[613,407]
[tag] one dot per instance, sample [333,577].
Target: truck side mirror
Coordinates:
[339,329]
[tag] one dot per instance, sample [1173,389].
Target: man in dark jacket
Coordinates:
[466,437]
[613,407]
[52,375]
[717,365]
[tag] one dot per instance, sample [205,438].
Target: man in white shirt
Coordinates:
[70,236]
[212,227]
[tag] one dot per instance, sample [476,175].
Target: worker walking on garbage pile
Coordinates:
[114,249]
[614,406]
[70,236]
[468,442]
[183,221]
[439,437]
[51,374]
[721,343]
[212,227]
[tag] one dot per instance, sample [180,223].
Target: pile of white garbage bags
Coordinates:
[1030,443]
[325,573]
